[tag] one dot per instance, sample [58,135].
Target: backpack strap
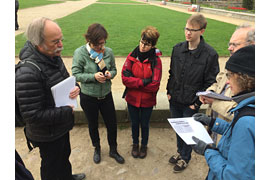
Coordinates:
[19,118]
[245,111]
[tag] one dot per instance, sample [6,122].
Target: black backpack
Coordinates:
[19,121]
[21,172]
[245,111]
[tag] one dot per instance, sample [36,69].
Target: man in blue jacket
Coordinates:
[234,157]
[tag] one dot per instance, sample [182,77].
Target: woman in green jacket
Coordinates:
[94,67]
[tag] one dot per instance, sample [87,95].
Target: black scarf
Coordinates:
[151,54]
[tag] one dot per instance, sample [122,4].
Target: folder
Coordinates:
[61,92]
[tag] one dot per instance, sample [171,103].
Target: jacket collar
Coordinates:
[30,52]
[198,50]
[247,99]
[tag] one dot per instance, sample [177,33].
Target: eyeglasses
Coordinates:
[234,44]
[192,30]
[57,41]
[229,75]
[145,43]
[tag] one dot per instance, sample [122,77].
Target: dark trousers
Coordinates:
[54,155]
[91,107]
[140,116]
[16,17]
[178,111]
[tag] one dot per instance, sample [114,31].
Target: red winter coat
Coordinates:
[139,95]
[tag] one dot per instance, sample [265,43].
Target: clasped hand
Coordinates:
[100,77]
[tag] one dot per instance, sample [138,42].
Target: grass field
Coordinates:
[125,22]
[33,3]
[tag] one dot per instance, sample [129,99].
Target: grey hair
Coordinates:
[250,34]
[35,31]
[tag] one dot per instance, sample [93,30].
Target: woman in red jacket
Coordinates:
[141,74]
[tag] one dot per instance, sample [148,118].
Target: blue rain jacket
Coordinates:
[236,156]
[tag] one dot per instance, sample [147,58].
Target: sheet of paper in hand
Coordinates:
[61,92]
[213,95]
[188,127]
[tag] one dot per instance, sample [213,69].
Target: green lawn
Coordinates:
[33,3]
[125,22]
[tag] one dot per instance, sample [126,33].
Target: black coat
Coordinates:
[44,121]
[189,74]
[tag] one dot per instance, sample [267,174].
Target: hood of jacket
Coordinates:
[247,99]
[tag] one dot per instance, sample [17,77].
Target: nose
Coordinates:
[60,43]
[230,48]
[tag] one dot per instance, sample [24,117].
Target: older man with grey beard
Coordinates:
[47,126]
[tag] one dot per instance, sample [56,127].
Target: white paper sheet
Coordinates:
[61,92]
[188,127]
[214,95]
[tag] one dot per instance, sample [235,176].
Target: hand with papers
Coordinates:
[65,93]
[213,95]
[200,146]
[188,127]
[74,92]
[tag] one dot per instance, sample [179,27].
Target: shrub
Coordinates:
[249,4]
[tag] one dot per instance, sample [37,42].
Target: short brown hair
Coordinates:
[197,19]
[95,33]
[150,34]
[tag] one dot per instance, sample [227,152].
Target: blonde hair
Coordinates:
[150,34]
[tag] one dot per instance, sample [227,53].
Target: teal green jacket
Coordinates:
[84,69]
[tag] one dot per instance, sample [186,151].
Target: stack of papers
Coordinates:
[61,92]
[214,95]
[188,127]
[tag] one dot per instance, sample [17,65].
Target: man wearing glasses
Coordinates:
[244,35]
[47,126]
[194,66]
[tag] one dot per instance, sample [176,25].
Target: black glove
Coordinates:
[200,146]
[147,81]
[127,73]
[204,119]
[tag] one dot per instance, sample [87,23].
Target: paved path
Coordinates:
[52,11]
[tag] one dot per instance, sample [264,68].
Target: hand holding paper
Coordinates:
[74,92]
[188,127]
[213,95]
[200,146]
[61,92]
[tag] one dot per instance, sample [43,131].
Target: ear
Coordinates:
[202,31]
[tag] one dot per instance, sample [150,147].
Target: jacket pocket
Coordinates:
[189,94]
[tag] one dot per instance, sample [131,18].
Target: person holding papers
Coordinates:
[47,126]
[243,36]
[234,157]
[94,66]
